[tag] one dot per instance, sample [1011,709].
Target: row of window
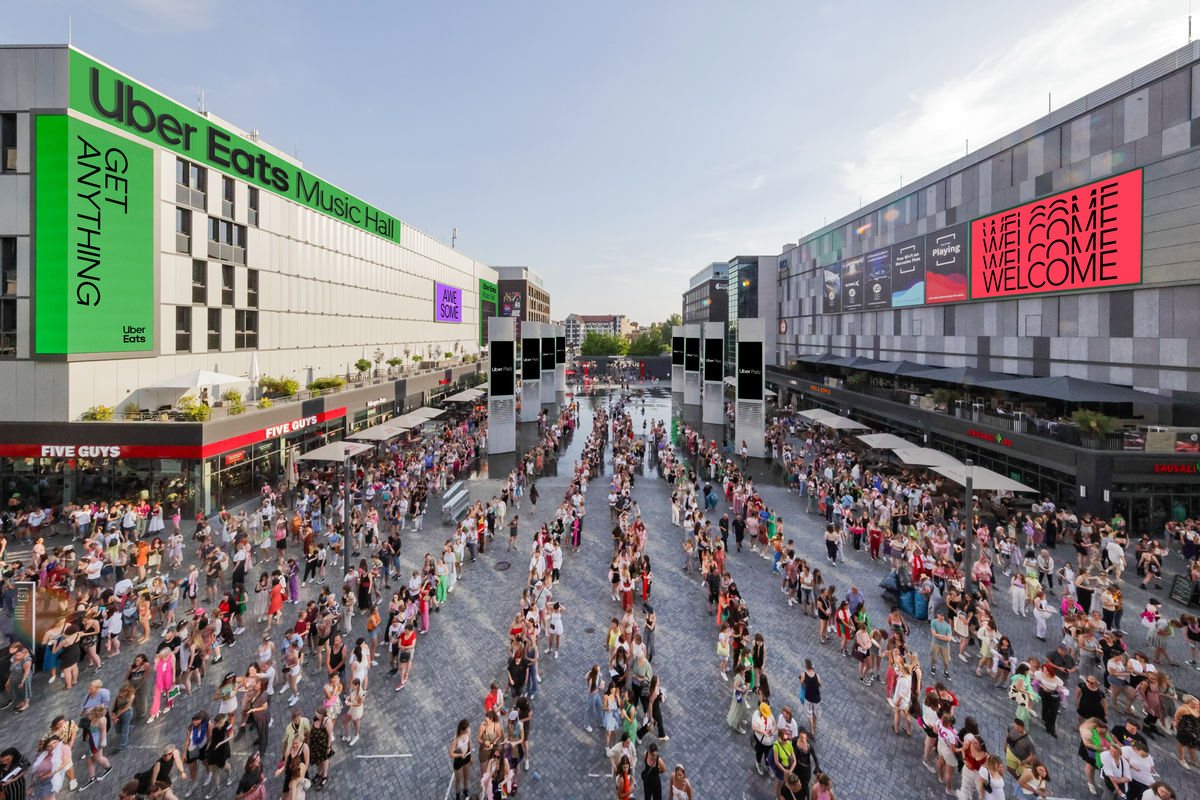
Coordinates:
[8,291]
[200,284]
[8,142]
[245,329]
[191,182]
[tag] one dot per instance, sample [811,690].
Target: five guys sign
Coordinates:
[1085,238]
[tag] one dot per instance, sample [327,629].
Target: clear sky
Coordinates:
[617,147]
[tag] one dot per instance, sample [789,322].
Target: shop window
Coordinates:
[227,197]
[8,265]
[191,184]
[8,328]
[214,329]
[183,230]
[227,284]
[252,288]
[200,282]
[8,142]
[245,334]
[183,329]
[253,206]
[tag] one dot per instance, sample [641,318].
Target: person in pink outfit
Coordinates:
[164,679]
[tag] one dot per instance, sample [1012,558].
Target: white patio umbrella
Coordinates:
[925,457]
[254,372]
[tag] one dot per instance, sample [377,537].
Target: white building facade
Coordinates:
[143,240]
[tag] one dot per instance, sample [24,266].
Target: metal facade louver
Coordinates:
[1156,70]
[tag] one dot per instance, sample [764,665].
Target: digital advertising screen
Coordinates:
[908,273]
[832,297]
[560,350]
[503,380]
[691,355]
[946,265]
[878,279]
[531,362]
[749,371]
[852,284]
[677,351]
[547,353]
[1085,238]
[714,360]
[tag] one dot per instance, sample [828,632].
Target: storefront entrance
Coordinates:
[1147,507]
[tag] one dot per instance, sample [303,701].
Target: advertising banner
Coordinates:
[714,364]
[1085,238]
[531,361]
[677,351]
[833,289]
[500,369]
[946,265]
[908,273]
[1187,443]
[94,245]
[104,94]
[878,270]
[548,347]
[447,303]
[749,370]
[691,355]
[487,307]
[852,284]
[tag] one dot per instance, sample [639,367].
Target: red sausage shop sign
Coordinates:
[1085,238]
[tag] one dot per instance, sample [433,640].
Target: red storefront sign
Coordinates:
[113,450]
[237,456]
[994,438]
[1177,469]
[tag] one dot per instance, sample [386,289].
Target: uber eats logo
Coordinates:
[105,95]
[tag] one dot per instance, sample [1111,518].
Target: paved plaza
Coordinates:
[403,751]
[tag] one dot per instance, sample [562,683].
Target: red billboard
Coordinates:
[1085,238]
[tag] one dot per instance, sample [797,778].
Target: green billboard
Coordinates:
[104,94]
[488,298]
[93,240]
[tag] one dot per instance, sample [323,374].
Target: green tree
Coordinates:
[647,344]
[602,344]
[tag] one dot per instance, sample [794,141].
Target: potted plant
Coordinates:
[394,363]
[98,413]
[234,399]
[362,365]
[193,410]
[1093,425]
[321,385]
[265,403]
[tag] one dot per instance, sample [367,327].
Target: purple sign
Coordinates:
[447,303]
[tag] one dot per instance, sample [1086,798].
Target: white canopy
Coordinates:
[883,441]
[425,413]
[815,414]
[831,420]
[925,457]
[379,433]
[982,479]
[466,396]
[336,451]
[199,379]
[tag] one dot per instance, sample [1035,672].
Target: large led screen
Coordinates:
[677,351]
[946,265]
[501,367]
[1085,238]
[531,362]
[691,354]
[714,366]
[749,371]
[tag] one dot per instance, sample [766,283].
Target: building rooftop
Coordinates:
[519,274]
[716,271]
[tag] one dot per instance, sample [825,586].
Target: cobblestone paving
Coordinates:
[403,751]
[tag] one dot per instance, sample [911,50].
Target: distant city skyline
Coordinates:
[618,149]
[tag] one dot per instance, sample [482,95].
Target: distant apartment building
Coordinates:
[579,325]
[522,295]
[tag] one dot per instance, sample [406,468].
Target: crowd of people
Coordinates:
[127,588]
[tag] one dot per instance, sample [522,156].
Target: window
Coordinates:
[245,333]
[8,142]
[252,288]
[8,265]
[227,197]
[183,329]
[200,282]
[183,230]
[8,328]
[226,240]
[191,184]
[226,284]
[214,329]
[253,203]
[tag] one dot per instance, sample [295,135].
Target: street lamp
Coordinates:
[346,510]
[969,529]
